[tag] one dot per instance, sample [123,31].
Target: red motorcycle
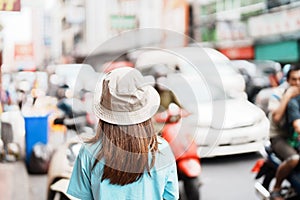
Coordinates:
[184,149]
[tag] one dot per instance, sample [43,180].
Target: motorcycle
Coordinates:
[73,115]
[11,136]
[62,161]
[265,170]
[60,169]
[185,150]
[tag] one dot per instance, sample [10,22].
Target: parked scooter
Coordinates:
[62,161]
[10,150]
[60,169]
[265,170]
[74,117]
[185,150]
[73,111]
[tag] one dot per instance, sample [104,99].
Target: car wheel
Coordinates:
[191,188]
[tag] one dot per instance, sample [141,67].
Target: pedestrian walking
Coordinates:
[125,159]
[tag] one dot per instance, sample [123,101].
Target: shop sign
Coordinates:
[10,5]
[24,57]
[238,53]
[23,51]
[231,30]
[275,23]
[123,22]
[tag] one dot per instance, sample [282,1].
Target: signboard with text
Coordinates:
[24,57]
[275,23]
[10,5]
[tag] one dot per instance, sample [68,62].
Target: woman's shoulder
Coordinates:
[162,143]
[90,149]
[165,154]
[163,147]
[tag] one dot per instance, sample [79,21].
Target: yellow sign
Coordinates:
[10,5]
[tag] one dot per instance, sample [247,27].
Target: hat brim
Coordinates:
[133,117]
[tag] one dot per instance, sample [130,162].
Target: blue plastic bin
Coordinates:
[36,130]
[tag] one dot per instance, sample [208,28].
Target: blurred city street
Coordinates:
[215,64]
[17,184]
[14,181]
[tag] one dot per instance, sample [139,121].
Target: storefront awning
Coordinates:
[238,52]
[286,51]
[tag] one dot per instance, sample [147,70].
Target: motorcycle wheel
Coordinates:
[191,188]
[267,173]
[268,179]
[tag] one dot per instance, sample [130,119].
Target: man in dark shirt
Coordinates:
[293,121]
[280,137]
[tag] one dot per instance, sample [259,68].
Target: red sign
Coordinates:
[10,5]
[24,57]
[23,51]
[239,53]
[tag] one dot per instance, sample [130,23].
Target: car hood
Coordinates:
[229,114]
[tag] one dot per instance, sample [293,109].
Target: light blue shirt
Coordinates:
[86,183]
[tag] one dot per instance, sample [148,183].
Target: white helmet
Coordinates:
[173,109]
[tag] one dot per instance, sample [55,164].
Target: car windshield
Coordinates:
[205,80]
[190,86]
[190,83]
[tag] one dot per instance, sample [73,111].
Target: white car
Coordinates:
[207,63]
[222,121]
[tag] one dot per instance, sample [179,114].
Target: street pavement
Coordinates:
[17,184]
[14,181]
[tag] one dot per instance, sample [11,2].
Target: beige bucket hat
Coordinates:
[127,97]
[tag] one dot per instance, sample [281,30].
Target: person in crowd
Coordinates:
[160,72]
[279,133]
[126,159]
[5,98]
[62,100]
[22,89]
[166,95]
[293,120]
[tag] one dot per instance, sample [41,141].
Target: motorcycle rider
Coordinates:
[279,133]
[183,147]
[293,120]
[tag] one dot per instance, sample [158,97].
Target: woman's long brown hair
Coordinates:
[125,150]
